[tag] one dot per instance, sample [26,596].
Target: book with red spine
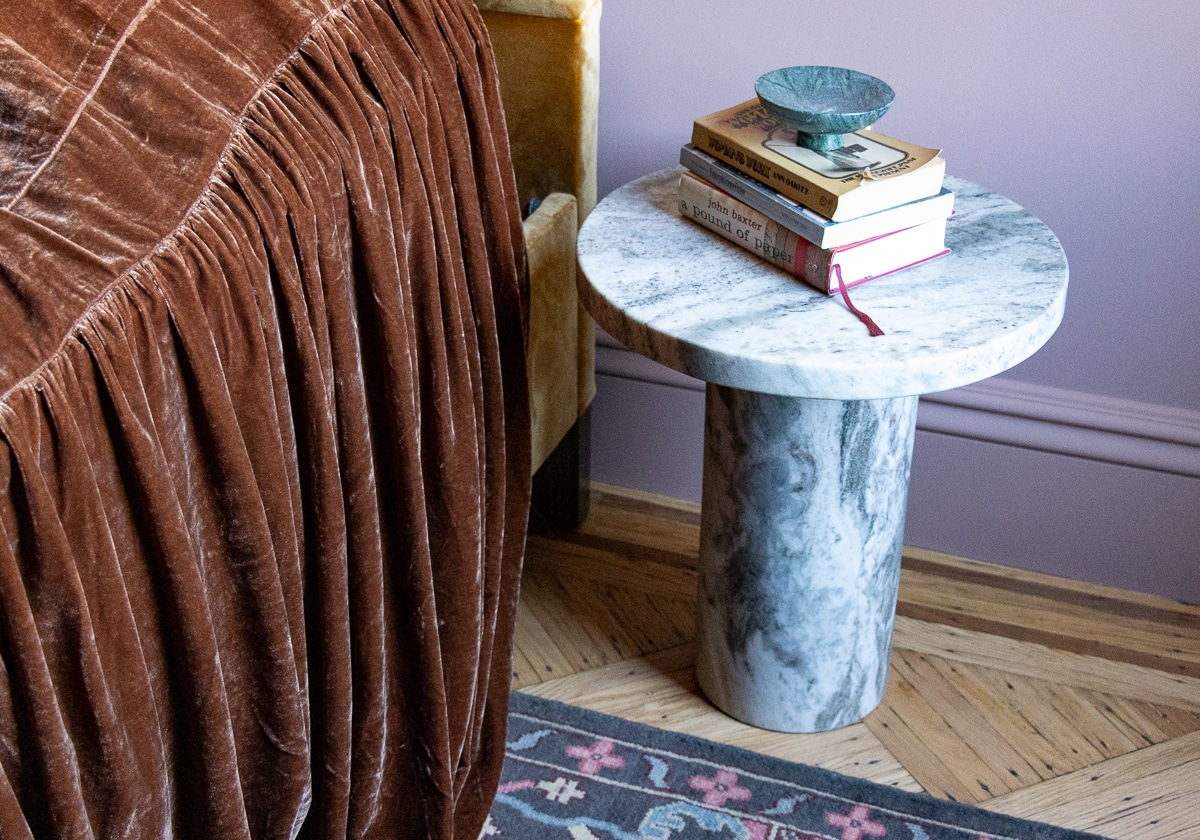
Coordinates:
[857,262]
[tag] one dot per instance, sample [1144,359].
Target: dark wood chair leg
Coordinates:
[561,486]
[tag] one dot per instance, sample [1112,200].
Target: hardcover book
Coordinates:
[859,262]
[799,219]
[871,172]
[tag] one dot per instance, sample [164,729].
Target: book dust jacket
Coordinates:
[754,141]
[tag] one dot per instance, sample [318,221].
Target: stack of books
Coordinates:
[834,219]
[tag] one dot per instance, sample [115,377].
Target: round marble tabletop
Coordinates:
[675,292]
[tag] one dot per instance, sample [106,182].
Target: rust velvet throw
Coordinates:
[264,456]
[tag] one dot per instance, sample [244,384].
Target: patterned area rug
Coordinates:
[572,774]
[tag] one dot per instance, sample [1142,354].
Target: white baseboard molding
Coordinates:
[1035,417]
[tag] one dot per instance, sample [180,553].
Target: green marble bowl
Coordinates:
[823,103]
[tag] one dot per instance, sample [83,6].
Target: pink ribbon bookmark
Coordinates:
[872,327]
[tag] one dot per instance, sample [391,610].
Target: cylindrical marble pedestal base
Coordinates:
[801,532]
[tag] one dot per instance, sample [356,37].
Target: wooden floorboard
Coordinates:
[1035,696]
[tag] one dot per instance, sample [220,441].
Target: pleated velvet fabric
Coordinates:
[264,435]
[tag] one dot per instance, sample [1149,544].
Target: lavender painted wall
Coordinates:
[1088,114]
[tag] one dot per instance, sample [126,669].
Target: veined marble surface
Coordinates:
[800,538]
[670,290]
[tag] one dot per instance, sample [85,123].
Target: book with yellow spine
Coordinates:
[871,172]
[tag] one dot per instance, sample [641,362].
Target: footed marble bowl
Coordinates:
[823,103]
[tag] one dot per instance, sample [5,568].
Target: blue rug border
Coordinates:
[920,805]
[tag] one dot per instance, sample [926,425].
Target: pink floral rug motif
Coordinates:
[573,774]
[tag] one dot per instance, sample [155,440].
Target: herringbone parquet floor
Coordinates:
[1031,695]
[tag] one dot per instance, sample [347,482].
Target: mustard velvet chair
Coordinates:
[547,53]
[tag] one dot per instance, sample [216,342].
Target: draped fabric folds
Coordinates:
[263,423]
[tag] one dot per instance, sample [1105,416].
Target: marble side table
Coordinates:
[809,426]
